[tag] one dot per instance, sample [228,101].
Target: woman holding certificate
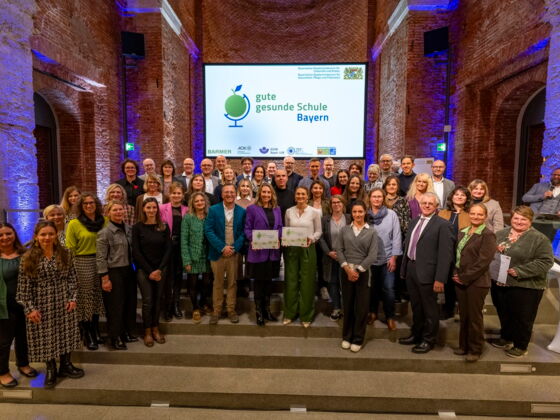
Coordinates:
[476,246]
[301,261]
[517,300]
[263,219]
[356,252]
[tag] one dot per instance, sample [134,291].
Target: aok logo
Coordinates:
[237,107]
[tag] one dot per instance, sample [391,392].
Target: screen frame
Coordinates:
[260,157]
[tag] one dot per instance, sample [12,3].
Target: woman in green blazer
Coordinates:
[518,300]
[194,252]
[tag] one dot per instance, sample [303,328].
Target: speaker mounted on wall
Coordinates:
[436,41]
[132,44]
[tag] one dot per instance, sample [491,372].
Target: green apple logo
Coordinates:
[237,107]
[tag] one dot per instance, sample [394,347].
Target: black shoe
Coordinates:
[129,338]
[407,341]
[50,376]
[168,316]
[95,330]
[67,369]
[177,313]
[423,347]
[31,374]
[12,384]
[89,341]
[267,313]
[118,344]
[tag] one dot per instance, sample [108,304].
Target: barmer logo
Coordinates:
[237,107]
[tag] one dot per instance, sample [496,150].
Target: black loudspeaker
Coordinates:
[436,41]
[132,44]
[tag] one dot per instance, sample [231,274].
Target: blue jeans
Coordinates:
[383,289]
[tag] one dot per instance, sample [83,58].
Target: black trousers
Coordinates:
[450,297]
[200,289]
[151,297]
[120,302]
[174,279]
[262,273]
[320,280]
[517,309]
[355,304]
[425,309]
[10,329]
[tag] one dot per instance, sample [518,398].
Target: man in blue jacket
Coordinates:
[224,230]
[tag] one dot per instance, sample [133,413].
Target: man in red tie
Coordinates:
[428,256]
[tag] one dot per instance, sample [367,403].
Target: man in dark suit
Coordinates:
[428,256]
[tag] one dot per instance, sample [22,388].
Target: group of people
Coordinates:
[368,243]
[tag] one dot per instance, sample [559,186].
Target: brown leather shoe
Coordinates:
[472,357]
[391,324]
[196,316]
[160,338]
[148,339]
[371,318]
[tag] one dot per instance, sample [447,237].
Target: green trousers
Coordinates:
[299,283]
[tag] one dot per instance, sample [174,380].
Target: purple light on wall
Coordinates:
[43,57]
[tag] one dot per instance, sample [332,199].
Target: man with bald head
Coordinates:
[149,168]
[220,163]
[328,172]
[188,171]
[210,181]
[270,172]
[293,177]
[442,186]
[386,166]
[284,195]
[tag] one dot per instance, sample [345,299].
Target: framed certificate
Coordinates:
[294,236]
[265,239]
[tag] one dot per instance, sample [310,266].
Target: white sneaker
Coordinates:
[345,344]
[355,348]
[325,294]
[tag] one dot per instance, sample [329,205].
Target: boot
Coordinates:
[67,369]
[50,376]
[177,311]
[148,339]
[259,314]
[95,329]
[267,313]
[160,338]
[89,342]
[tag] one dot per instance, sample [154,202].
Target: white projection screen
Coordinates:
[274,110]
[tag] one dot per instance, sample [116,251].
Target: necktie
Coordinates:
[414,240]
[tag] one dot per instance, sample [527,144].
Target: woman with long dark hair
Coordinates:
[12,318]
[354,192]
[47,291]
[81,238]
[151,249]
[341,182]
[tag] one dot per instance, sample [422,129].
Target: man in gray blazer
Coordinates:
[210,181]
[427,260]
[544,197]
[442,186]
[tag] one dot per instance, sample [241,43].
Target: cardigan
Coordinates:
[531,257]
[358,250]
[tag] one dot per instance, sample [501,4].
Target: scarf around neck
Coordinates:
[92,225]
[378,218]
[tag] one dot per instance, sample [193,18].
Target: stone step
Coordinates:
[312,389]
[275,352]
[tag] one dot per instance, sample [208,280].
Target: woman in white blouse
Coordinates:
[301,262]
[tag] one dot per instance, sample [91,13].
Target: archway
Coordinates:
[46,135]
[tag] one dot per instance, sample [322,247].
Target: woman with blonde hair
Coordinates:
[481,194]
[57,215]
[69,202]
[244,193]
[228,178]
[422,184]
[152,188]
[116,192]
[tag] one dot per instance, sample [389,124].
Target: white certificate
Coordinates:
[294,236]
[265,239]
[499,267]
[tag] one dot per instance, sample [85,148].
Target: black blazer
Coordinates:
[434,251]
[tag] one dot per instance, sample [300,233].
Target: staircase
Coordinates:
[280,367]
